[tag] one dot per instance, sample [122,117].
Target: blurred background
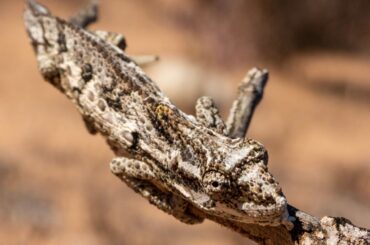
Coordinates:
[55,183]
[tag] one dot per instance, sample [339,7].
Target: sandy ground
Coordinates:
[55,183]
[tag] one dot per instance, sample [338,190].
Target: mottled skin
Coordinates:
[185,166]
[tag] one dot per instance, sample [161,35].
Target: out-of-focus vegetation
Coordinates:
[238,30]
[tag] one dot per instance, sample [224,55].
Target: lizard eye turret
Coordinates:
[215,183]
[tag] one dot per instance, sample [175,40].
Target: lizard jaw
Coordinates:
[272,214]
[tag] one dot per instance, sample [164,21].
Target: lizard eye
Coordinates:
[215,183]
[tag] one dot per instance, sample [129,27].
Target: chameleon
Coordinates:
[191,167]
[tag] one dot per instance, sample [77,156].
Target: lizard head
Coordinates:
[240,187]
[243,188]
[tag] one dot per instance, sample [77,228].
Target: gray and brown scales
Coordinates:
[189,167]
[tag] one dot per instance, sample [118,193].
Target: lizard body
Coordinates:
[188,167]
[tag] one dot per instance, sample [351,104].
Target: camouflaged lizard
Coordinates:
[190,167]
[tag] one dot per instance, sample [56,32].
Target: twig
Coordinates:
[250,93]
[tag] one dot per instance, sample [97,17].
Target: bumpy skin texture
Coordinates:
[185,166]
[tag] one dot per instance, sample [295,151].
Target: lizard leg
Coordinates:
[250,93]
[86,16]
[144,60]
[207,113]
[113,38]
[142,179]
[119,40]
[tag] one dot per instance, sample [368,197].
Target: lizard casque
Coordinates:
[189,167]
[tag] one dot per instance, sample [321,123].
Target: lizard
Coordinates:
[191,167]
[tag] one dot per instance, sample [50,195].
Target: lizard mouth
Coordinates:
[272,215]
[266,214]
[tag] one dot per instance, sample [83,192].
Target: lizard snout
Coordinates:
[260,192]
